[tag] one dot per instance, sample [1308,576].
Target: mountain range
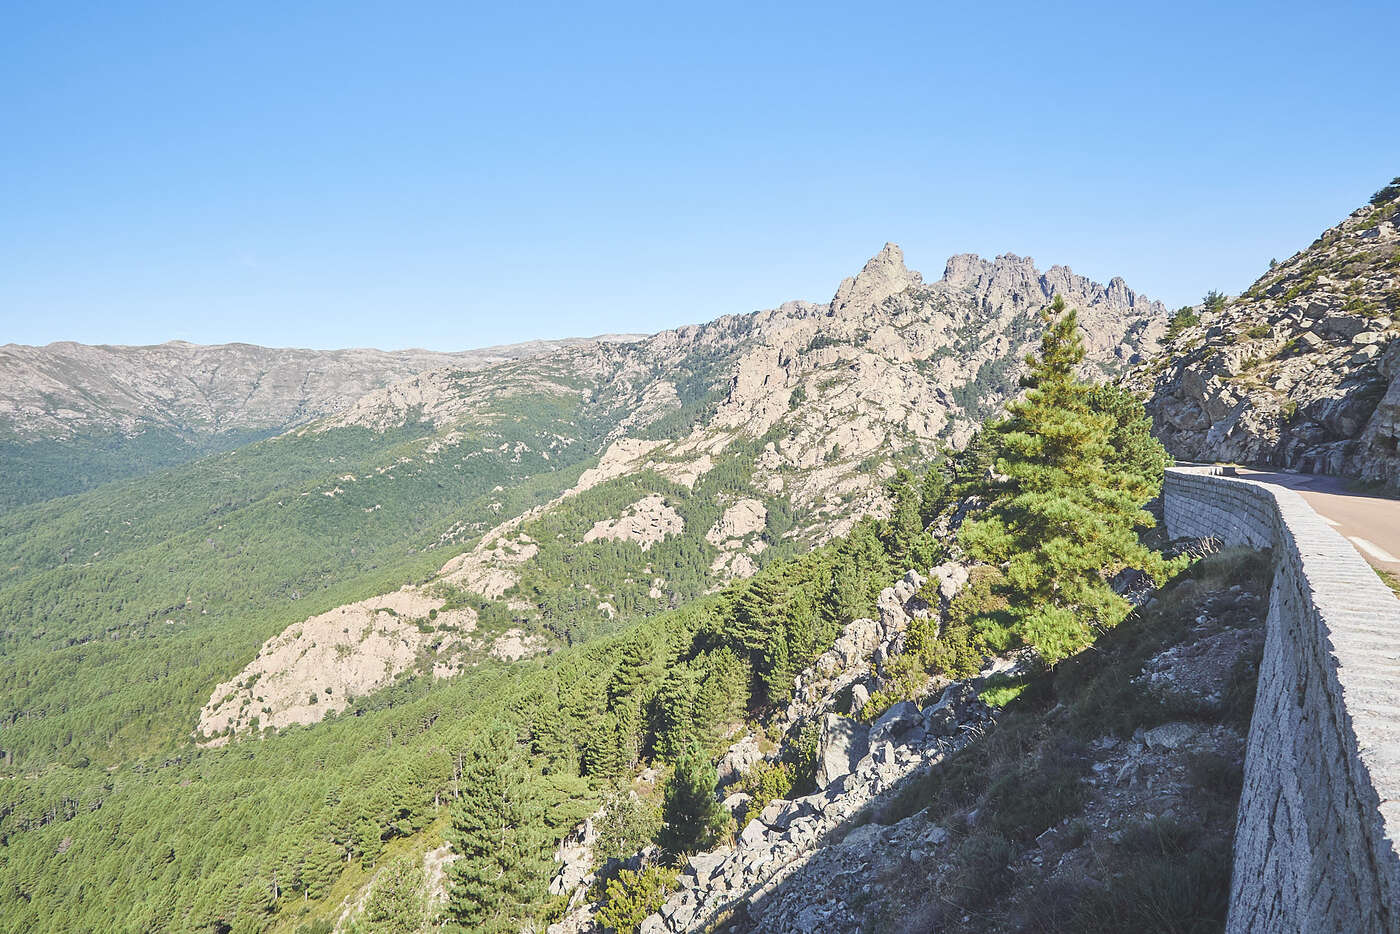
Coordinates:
[76,415]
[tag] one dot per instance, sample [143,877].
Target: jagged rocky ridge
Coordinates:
[1302,370]
[806,408]
[891,364]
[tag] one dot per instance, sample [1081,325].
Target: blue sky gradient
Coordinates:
[452,175]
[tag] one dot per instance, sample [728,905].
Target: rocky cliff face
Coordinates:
[1303,369]
[65,389]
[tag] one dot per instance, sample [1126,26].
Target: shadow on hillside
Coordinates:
[1099,801]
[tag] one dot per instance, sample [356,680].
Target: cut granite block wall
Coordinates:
[1319,817]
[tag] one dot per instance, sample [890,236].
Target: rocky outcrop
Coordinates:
[575,857]
[738,535]
[1302,370]
[645,522]
[1377,454]
[1011,281]
[744,518]
[883,277]
[844,676]
[842,744]
[738,759]
[891,365]
[775,846]
[317,667]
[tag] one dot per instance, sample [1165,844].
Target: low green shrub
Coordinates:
[1184,318]
[632,896]
[766,783]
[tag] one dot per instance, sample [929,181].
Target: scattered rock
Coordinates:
[738,760]
[1167,736]
[896,721]
[843,743]
[737,804]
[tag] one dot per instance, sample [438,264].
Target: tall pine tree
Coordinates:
[500,833]
[691,818]
[1065,510]
[611,748]
[905,539]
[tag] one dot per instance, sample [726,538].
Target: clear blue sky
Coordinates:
[452,174]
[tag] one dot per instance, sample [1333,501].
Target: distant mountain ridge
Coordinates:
[63,389]
[75,416]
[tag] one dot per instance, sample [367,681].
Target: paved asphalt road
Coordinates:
[1370,523]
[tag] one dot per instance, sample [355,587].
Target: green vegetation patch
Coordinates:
[1391,580]
[39,470]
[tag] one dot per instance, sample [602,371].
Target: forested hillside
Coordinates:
[607,501]
[736,443]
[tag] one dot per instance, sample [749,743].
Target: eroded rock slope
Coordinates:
[1303,369]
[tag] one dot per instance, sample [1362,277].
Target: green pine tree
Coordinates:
[933,493]
[752,619]
[861,570]
[610,749]
[692,819]
[721,695]
[905,539]
[672,720]
[397,901]
[636,668]
[843,598]
[779,668]
[974,462]
[1134,452]
[498,830]
[1067,508]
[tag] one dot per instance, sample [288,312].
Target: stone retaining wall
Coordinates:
[1319,818]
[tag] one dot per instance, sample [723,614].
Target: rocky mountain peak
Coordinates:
[968,270]
[885,275]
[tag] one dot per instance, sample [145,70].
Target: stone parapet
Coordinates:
[1319,817]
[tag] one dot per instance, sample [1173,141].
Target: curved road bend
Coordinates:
[1370,523]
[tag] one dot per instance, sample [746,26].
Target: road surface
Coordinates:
[1370,523]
